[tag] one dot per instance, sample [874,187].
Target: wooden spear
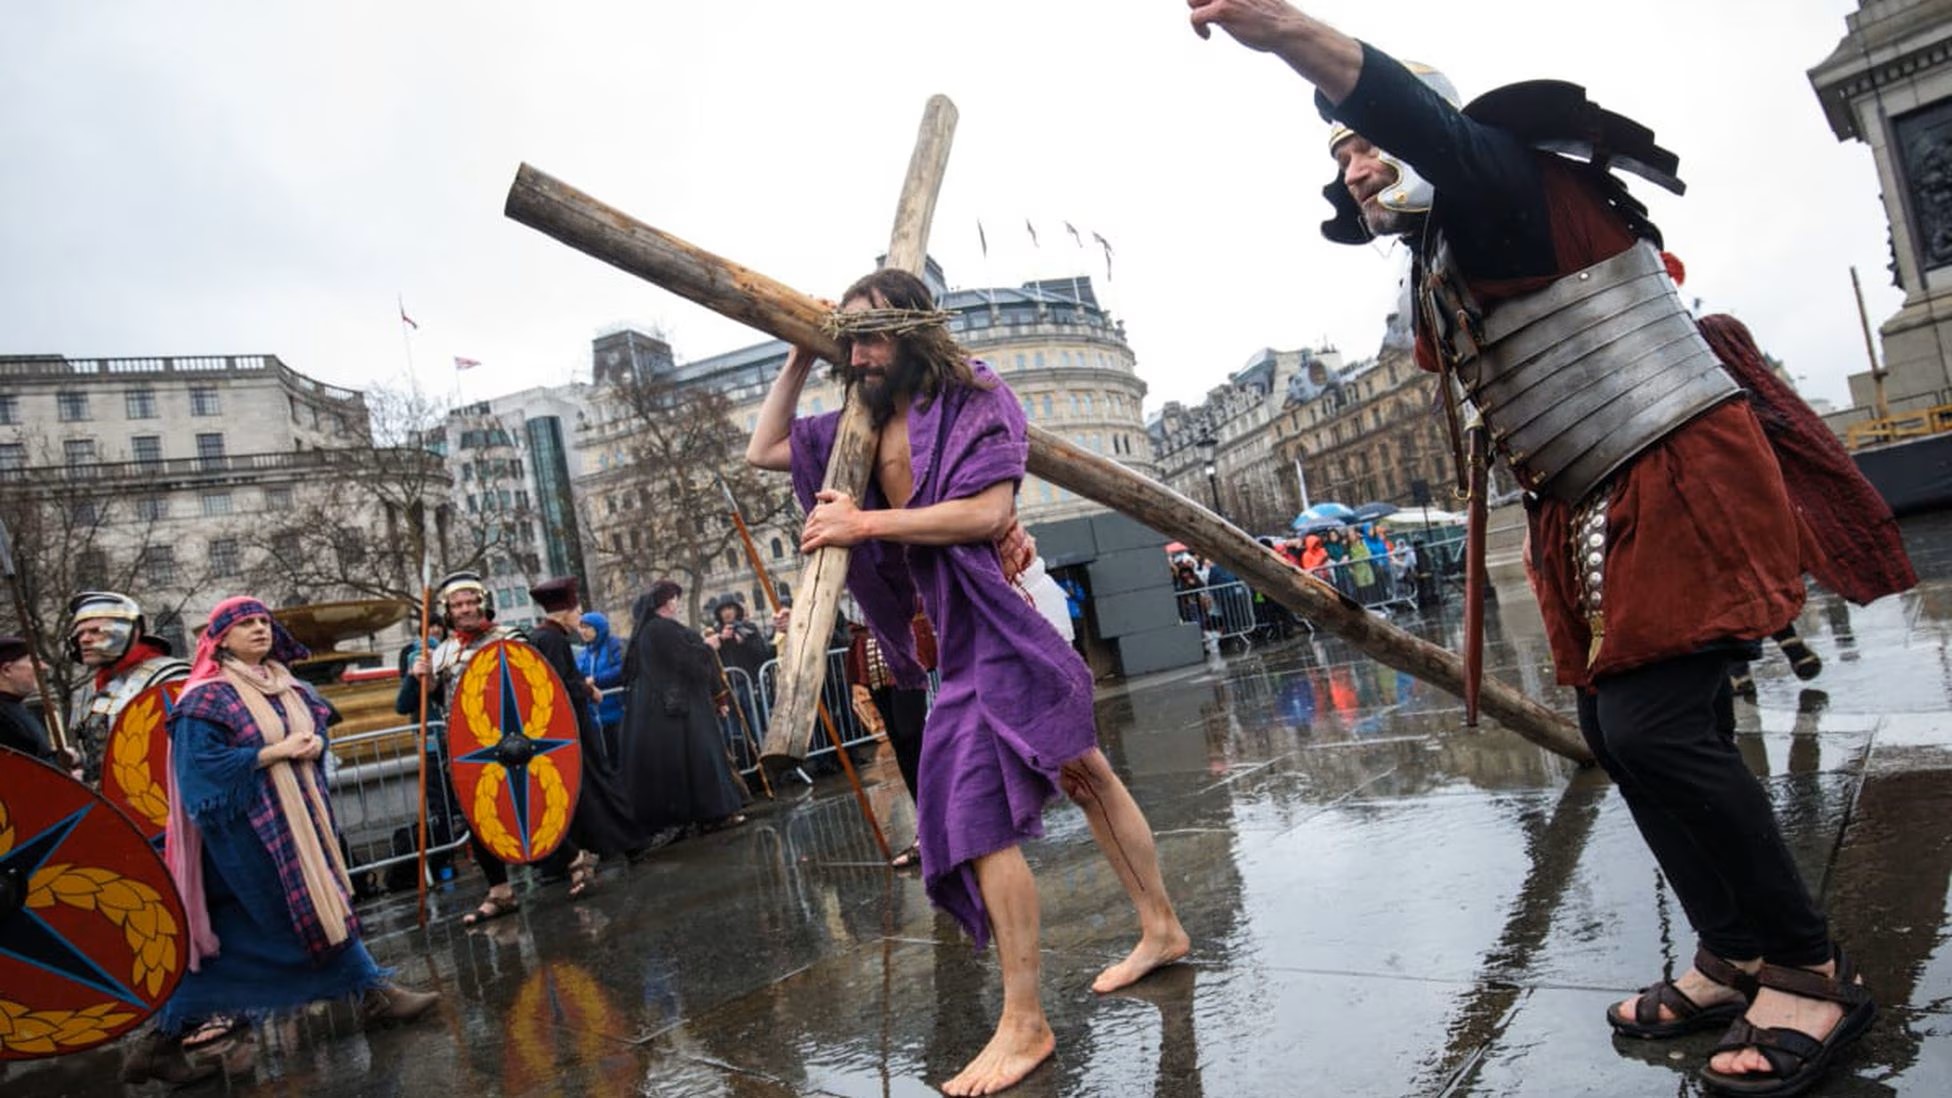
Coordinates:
[588,225]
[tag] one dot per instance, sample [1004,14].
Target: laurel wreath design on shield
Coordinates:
[146,925]
[555,791]
[129,760]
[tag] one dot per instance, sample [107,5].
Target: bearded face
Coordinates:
[882,373]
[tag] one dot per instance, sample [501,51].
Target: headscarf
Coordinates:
[206,667]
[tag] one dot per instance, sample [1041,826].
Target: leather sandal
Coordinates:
[1689,1016]
[490,909]
[1805,663]
[1796,1059]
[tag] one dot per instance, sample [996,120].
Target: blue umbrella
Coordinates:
[1305,525]
[1333,513]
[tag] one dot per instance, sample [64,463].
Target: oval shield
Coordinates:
[91,931]
[135,774]
[513,751]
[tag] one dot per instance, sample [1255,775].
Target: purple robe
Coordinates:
[1015,701]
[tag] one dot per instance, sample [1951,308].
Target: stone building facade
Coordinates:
[1888,84]
[150,472]
[1221,453]
[514,462]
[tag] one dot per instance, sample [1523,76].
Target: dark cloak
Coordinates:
[674,765]
[604,822]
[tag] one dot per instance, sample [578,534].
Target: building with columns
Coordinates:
[1888,84]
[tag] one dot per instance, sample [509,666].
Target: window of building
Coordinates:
[91,569]
[779,549]
[1039,360]
[1077,405]
[1064,357]
[203,401]
[79,451]
[83,513]
[1029,408]
[151,508]
[147,449]
[216,503]
[13,455]
[225,561]
[210,449]
[1087,405]
[731,559]
[73,406]
[1019,360]
[9,409]
[277,499]
[139,403]
[1047,406]
[1044,491]
[158,564]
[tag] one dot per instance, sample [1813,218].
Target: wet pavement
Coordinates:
[1381,903]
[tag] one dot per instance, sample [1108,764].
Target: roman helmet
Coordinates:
[125,617]
[1411,193]
[463,581]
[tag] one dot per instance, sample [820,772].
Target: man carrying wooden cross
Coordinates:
[1012,721]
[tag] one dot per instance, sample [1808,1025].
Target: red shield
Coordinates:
[513,751]
[135,765]
[92,935]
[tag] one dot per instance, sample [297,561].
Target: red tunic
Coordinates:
[1702,543]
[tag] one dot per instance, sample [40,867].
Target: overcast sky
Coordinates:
[198,178]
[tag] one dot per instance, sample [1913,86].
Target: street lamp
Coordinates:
[1207,449]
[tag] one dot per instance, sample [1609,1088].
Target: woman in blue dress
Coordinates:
[252,845]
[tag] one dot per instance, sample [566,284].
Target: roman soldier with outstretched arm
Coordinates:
[1543,299]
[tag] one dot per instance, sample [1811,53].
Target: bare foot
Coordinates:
[1153,951]
[1014,1052]
[1694,985]
[1774,1009]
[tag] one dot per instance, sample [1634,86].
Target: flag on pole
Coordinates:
[1032,230]
[982,238]
[465,363]
[407,320]
[1073,230]
[1107,245]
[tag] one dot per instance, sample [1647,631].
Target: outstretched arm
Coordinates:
[983,517]
[771,446]
[1324,56]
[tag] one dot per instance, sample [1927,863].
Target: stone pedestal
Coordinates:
[1889,84]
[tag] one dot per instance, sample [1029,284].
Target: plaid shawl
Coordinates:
[219,703]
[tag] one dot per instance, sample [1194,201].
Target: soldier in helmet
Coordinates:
[1542,298]
[470,621]
[109,637]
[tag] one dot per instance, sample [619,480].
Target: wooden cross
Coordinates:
[588,225]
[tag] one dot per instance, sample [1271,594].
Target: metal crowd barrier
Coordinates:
[1225,609]
[753,700]
[375,782]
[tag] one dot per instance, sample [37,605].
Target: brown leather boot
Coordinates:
[154,1056]
[391,1004]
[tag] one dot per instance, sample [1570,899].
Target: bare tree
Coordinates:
[660,510]
[365,526]
[95,526]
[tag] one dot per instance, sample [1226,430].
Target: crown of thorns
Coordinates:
[839,325]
